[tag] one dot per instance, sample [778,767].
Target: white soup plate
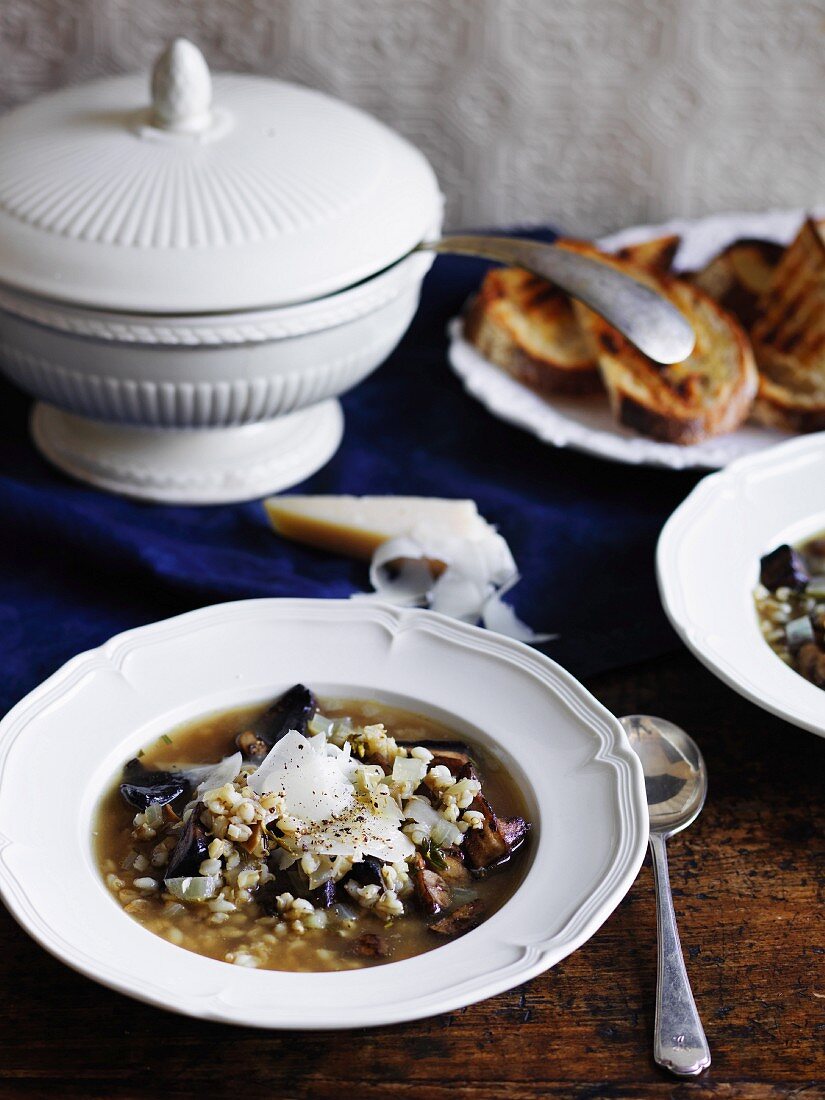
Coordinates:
[64,744]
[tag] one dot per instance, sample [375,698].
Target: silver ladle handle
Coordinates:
[647,319]
[679,1042]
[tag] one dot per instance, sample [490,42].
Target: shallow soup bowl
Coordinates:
[66,741]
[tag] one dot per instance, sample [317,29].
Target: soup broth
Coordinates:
[422,901]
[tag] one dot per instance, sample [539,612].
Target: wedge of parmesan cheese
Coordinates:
[357,526]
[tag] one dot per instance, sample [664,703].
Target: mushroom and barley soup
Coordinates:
[312,837]
[790,603]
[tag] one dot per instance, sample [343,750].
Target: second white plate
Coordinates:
[707,565]
[586,424]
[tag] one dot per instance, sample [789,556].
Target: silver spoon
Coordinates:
[648,320]
[676,783]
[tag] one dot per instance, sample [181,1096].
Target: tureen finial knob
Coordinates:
[181,88]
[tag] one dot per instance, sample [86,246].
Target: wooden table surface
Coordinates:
[747,880]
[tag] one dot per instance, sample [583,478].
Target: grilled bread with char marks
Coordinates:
[739,276]
[528,327]
[707,394]
[655,255]
[789,337]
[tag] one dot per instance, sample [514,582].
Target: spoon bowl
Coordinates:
[676,780]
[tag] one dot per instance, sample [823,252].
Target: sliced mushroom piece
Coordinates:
[256,844]
[431,891]
[142,788]
[461,920]
[191,848]
[454,872]
[468,771]
[485,846]
[252,746]
[367,872]
[294,881]
[323,896]
[370,946]
[784,567]
[450,754]
[292,711]
[266,895]
[513,831]
[818,623]
[810,661]
[446,758]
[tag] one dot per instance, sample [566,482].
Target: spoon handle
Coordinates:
[679,1042]
[648,320]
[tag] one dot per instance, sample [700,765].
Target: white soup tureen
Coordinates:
[186,284]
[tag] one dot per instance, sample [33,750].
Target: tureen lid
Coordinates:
[222,193]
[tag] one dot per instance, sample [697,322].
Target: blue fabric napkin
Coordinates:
[77,565]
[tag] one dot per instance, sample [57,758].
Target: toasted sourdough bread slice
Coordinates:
[739,276]
[707,394]
[528,327]
[656,255]
[789,337]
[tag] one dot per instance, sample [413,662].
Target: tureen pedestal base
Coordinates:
[190,465]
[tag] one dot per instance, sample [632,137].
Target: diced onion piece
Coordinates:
[420,810]
[282,859]
[408,769]
[221,774]
[154,815]
[319,724]
[322,874]
[368,776]
[343,912]
[341,730]
[318,743]
[799,632]
[194,887]
[816,587]
[442,832]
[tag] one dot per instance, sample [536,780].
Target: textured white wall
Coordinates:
[590,113]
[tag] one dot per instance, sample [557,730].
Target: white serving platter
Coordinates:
[707,564]
[65,742]
[586,424]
